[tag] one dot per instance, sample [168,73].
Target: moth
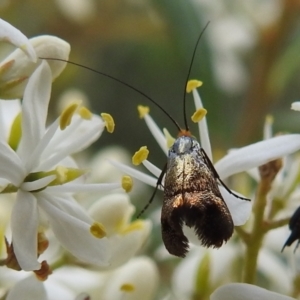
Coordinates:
[191,188]
[192,198]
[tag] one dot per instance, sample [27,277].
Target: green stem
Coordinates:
[257,234]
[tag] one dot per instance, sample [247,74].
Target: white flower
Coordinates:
[12,35]
[296,106]
[138,279]
[238,291]
[35,163]
[125,238]
[236,161]
[16,68]
[211,267]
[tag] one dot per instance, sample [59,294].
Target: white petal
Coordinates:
[24,227]
[37,184]
[135,173]
[85,187]
[238,291]
[10,34]
[203,129]
[296,106]
[157,133]
[113,211]
[45,46]
[67,204]
[185,273]
[141,273]
[257,154]
[239,209]
[33,160]
[8,112]
[53,47]
[68,281]
[11,167]
[34,110]
[77,140]
[124,246]
[28,288]
[75,235]
[152,168]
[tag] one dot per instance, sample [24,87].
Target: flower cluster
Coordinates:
[69,246]
[40,177]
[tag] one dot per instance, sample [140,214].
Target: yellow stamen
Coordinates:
[198,115]
[98,230]
[170,140]
[140,155]
[135,225]
[127,183]
[193,84]
[127,287]
[15,132]
[85,113]
[61,174]
[143,110]
[64,175]
[67,114]
[109,122]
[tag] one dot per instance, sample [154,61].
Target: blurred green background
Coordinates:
[248,59]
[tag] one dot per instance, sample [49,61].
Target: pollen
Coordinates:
[135,225]
[198,115]
[127,183]
[127,287]
[140,155]
[109,122]
[169,139]
[85,113]
[98,230]
[193,84]
[67,114]
[143,110]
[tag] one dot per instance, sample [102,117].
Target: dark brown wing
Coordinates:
[192,197]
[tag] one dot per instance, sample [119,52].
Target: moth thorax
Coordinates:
[182,145]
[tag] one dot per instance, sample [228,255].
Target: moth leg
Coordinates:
[158,183]
[212,168]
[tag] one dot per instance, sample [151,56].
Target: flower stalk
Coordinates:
[268,172]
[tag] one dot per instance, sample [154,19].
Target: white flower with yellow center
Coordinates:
[35,163]
[125,237]
[236,161]
[137,279]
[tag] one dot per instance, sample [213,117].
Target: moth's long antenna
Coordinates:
[120,81]
[188,76]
